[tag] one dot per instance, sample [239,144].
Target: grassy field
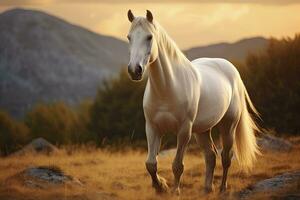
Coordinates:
[107,175]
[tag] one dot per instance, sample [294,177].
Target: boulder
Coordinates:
[52,175]
[284,183]
[271,143]
[42,177]
[39,145]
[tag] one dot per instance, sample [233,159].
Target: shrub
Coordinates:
[54,122]
[117,112]
[13,134]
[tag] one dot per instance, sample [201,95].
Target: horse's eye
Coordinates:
[149,37]
[128,37]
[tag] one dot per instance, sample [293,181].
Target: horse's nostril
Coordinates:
[138,69]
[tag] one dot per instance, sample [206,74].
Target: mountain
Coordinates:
[44,59]
[237,51]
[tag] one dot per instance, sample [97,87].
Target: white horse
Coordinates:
[189,97]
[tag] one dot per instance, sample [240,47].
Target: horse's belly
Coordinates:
[205,122]
[213,104]
[210,113]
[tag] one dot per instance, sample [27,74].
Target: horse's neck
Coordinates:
[163,75]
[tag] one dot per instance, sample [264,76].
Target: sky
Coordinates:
[189,22]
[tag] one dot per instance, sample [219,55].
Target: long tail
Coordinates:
[246,148]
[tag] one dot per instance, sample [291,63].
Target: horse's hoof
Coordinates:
[176,191]
[162,186]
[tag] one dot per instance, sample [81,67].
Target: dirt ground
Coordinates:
[116,175]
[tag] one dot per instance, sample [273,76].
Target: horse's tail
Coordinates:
[246,148]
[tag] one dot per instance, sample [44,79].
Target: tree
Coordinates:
[13,134]
[117,112]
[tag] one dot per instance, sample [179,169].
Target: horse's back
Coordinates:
[218,82]
[223,66]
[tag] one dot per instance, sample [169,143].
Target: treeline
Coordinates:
[115,116]
[272,78]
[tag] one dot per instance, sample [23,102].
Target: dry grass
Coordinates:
[109,175]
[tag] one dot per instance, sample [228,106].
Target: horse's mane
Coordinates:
[163,39]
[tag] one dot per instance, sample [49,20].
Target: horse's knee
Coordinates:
[210,158]
[226,158]
[210,153]
[177,168]
[151,168]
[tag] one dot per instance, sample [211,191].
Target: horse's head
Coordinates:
[142,44]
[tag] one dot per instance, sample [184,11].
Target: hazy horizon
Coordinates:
[189,24]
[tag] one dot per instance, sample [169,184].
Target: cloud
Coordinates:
[224,12]
[187,23]
[45,2]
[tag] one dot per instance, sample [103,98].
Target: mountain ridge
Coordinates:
[235,51]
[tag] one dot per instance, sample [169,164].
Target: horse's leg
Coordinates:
[154,139]
[227,129]
[210,153]
[183,138]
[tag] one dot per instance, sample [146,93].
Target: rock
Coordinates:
[49,174]
[39,145]
[42,177]
[272,143]
[284,182]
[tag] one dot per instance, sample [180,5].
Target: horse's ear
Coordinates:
[149,16]
[130,15]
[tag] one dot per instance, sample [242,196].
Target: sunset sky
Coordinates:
[190,23]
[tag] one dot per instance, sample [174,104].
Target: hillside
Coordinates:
[45,59]
[237,51]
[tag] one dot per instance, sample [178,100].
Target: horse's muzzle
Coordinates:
[137,73]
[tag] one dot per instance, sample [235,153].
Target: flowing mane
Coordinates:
[165,42]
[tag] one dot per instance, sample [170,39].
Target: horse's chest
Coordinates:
[167,118]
